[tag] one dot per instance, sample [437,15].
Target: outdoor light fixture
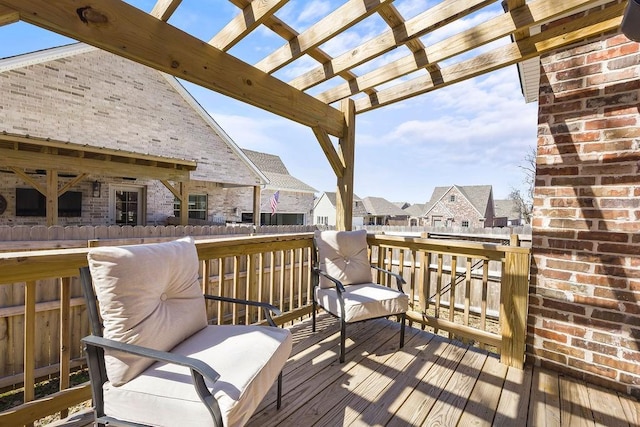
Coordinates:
[96,189]
[631,21]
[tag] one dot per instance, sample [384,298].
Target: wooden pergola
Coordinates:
[148,38]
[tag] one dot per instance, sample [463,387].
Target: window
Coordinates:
[197,206]
[465,224]
[322,220]
[452,198]
[30,202]
[127,207]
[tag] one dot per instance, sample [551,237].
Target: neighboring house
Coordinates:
[415,214]
[295,198]
[324,210]
[119,142]
[469,206]
[382,212]
[507,213]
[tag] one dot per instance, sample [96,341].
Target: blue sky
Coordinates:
[471,133]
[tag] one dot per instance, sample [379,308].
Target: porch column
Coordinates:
[52,197]
[257,191]
[346,151]
[184,203]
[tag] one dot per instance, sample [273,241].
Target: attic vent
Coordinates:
[452,198]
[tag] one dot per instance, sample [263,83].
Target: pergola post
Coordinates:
[257,191]
[346,151]
[52,197]
[184,203]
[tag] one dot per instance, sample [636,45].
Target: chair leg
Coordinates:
[403,322]
[343,333]
[313,315]
[279,399]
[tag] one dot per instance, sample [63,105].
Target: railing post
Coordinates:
[513,307]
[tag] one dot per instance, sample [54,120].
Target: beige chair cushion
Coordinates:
[248,359]
[343,255]
[149,295]
[364,301]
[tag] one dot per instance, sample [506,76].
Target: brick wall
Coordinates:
[101,99]
[584,314]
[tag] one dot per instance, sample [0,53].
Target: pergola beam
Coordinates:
[434,18]
[8,16]
[250,18]
[328,27]
[516,21]
[556,37]
[163,9]
[25,159]
[124,30]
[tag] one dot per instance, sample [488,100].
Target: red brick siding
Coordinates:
[584,316]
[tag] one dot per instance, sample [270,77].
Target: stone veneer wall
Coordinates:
[584,313]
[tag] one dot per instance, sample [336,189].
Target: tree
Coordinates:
[524,202]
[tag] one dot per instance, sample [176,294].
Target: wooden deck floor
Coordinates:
[432,381]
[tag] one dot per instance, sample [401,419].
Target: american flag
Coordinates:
[274,202]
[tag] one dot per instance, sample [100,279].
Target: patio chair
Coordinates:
[154,359]
[343,283]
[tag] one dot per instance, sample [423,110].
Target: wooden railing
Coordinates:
[44,318]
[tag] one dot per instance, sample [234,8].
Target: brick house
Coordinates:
[120,143]
[469,206]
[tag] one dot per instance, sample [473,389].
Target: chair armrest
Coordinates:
[198,367]
[339,285]
[399,280]
[266,307]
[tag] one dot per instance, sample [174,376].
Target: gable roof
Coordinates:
[98,97]
[358,206]
[415,210]
[477,195]
[378,206]
[506,208]
[275,170]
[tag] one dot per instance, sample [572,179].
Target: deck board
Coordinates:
[432,381]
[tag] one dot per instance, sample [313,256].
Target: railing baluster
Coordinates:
[452,290]
[260,282]
[483,303]
[467,291]
[438,289]
[292,274]
[282,276]
[272,277]
[300,276]
[412,278]
[236,286]
[220,289]
[248,294]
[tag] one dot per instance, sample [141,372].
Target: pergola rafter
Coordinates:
[124,30]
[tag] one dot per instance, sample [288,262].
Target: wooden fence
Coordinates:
[43,315]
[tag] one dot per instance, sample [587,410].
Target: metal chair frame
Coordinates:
[95,344]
